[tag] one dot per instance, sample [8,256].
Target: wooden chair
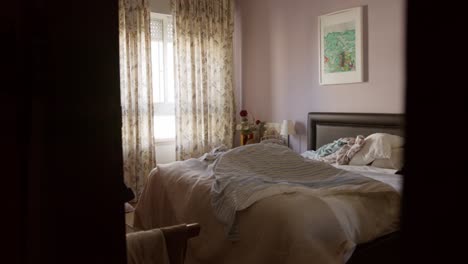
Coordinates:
[175,238]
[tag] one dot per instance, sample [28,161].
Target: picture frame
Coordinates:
[341,47]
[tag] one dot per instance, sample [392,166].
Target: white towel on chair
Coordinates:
[147,247]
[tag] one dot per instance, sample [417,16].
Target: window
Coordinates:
[162,60]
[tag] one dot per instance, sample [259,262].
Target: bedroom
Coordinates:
[76,120]
[276,68]
[276,82]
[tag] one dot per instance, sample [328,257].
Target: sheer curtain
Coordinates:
[136,94]
[205,108]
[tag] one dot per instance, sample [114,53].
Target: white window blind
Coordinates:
[162,59]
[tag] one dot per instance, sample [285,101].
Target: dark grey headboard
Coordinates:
[323,128]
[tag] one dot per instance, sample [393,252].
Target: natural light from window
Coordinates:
[162,59]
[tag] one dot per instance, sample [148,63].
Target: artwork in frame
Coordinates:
[341,52]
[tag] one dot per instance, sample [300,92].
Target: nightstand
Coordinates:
[244,139]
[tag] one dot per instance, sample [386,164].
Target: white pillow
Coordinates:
[394,162]
[376,146]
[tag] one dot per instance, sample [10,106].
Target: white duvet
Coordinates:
[293,227]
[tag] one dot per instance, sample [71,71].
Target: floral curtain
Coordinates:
[136,94]
[203,42]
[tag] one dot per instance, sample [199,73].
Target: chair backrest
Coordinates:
[176,240]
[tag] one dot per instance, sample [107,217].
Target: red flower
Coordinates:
[257,122]
[243,113]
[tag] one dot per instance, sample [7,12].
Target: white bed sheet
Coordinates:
[387,176]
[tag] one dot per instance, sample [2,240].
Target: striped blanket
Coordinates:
[250,173]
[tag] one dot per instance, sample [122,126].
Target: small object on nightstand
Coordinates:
[287,128]
[250,132]
[272,135]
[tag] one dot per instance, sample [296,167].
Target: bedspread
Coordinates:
[292,227]
[248,174]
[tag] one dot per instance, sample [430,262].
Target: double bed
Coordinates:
[357,223]
[325,127]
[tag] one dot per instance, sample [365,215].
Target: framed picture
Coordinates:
[341,52]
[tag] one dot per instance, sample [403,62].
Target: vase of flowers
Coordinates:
[244,127]
[259,130]
[251,132]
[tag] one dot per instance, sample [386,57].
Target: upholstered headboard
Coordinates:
[323,128]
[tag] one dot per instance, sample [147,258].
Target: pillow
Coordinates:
[394,162]
[376,146]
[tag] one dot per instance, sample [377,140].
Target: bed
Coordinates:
[325,127]
[289,227]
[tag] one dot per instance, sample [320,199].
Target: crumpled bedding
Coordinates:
[293,227]
[248,174]
[339,152]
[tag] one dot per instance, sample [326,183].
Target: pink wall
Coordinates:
[279,61]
